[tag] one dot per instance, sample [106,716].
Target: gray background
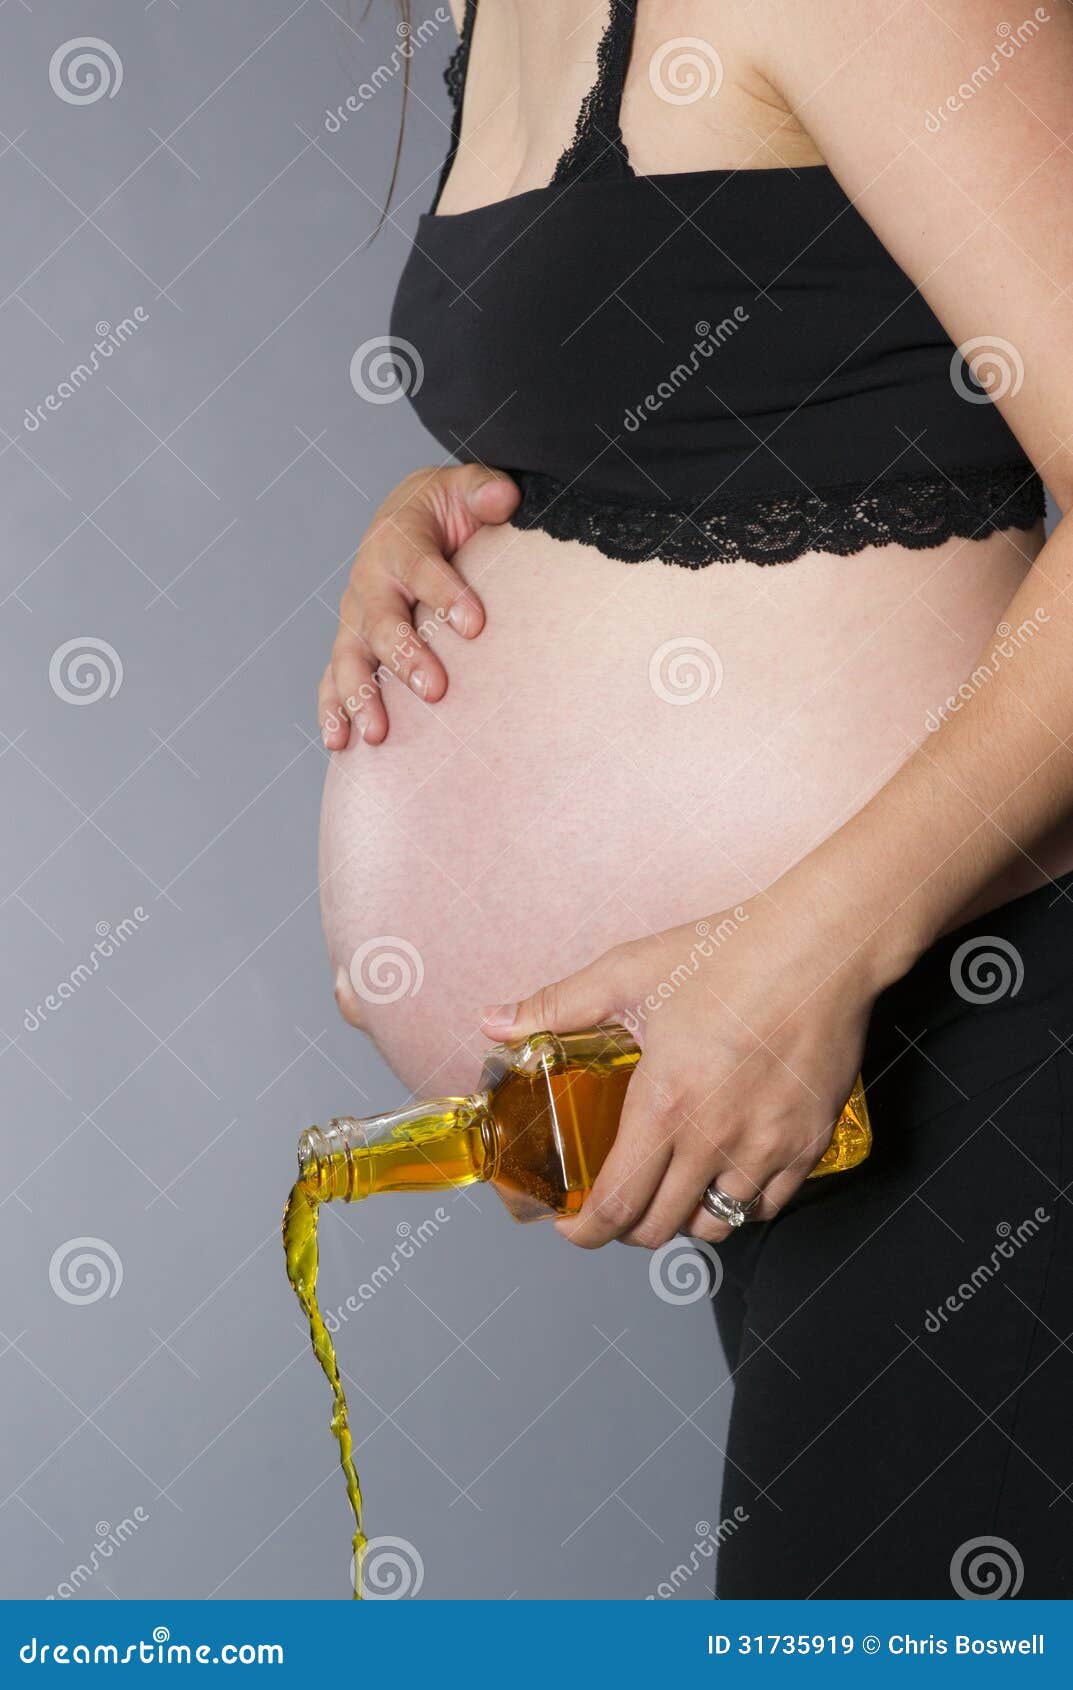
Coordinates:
[533,1421]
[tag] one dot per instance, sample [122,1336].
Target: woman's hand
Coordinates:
[402,561]
[752,1025]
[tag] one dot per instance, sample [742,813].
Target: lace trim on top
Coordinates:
[915,512]
[454,76]
[598,148]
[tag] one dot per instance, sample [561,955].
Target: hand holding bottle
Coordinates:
[752,1025]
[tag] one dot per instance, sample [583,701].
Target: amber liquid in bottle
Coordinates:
[538,1130]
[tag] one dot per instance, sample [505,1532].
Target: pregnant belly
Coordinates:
[625,747]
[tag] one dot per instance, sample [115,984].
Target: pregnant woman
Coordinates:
[752,327]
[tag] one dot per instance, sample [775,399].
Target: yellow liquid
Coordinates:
[539,1137]
[434,1154]
[303,1257]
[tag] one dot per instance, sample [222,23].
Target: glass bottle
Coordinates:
[537,1129]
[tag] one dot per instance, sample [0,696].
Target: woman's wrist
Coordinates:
[876,909]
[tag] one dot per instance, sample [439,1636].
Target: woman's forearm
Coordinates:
[992,779]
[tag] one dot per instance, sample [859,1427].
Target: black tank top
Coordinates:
[697,366]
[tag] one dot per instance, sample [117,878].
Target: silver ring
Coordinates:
[733,1210]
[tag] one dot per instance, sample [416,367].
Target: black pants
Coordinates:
[901,1336]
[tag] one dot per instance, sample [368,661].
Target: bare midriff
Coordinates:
[624,748]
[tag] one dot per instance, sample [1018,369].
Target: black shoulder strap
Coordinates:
[598,149]
[455,77]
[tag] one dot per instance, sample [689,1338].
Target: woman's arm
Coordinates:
[753,1045]
[951,127]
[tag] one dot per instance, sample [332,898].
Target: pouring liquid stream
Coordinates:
[538,1132]
[302,1250]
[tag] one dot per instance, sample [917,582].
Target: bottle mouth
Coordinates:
[326,1158]
[315,1147]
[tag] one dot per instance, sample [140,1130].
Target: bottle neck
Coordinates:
[432,1146]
